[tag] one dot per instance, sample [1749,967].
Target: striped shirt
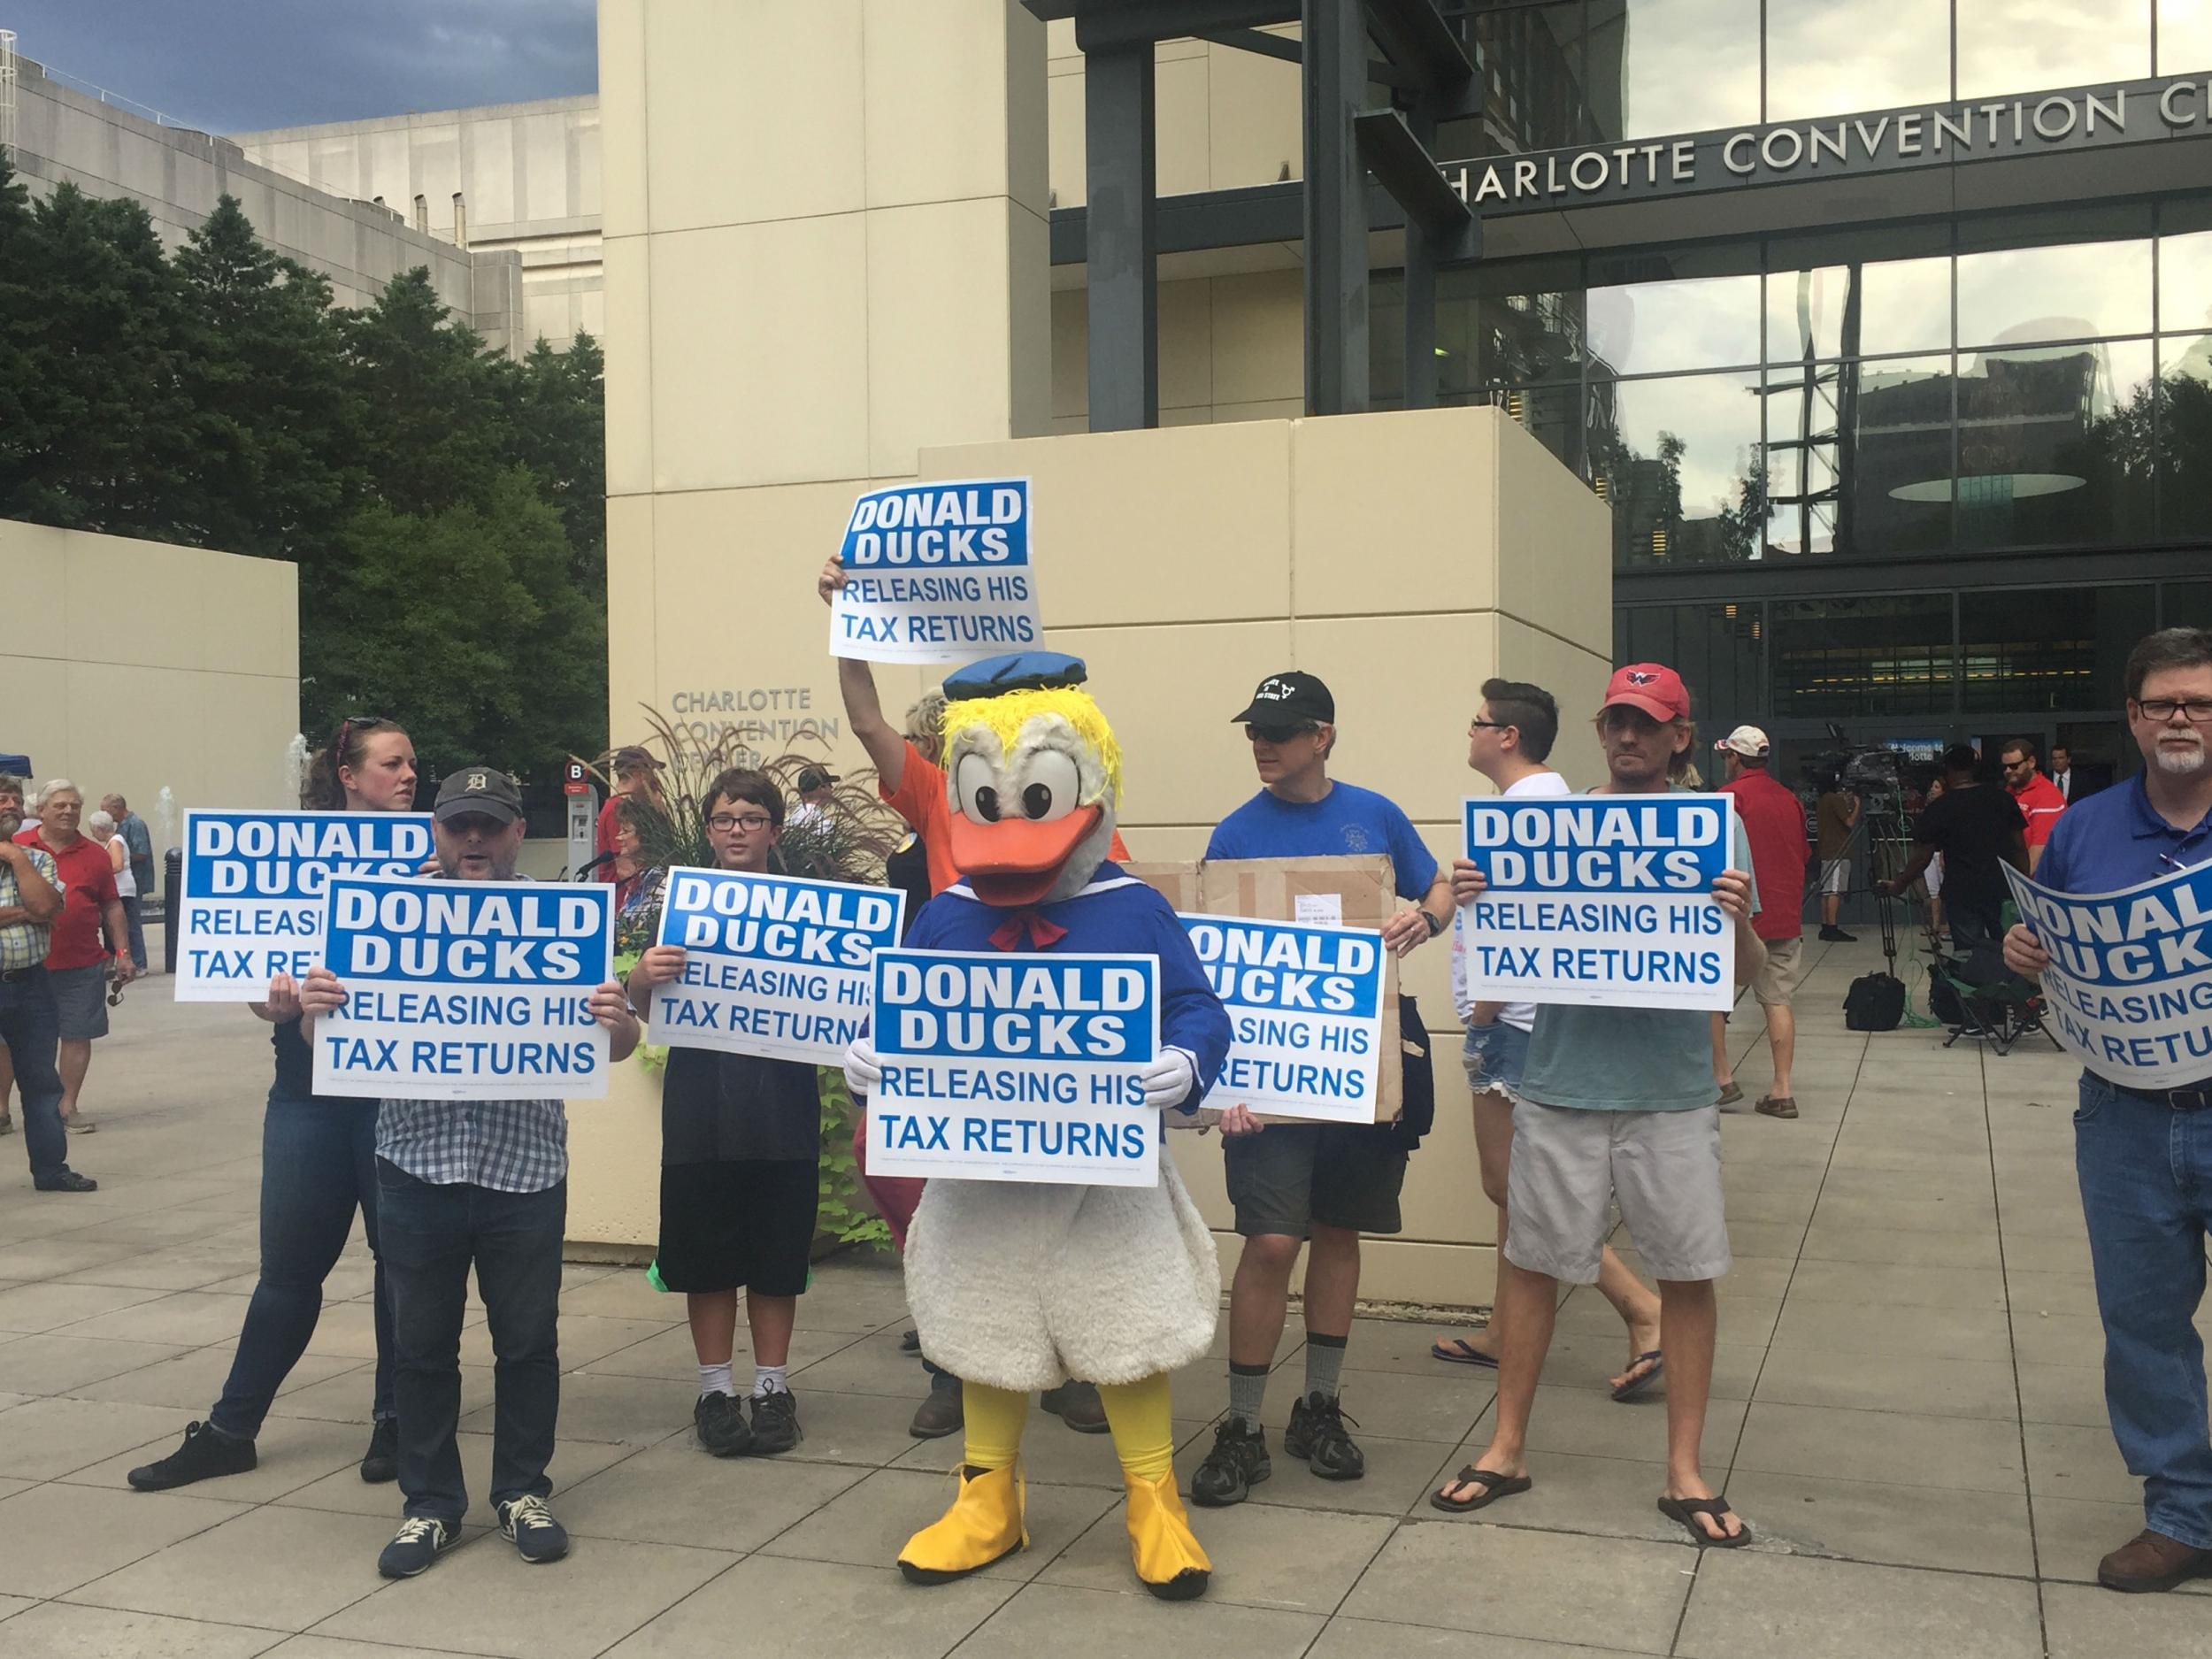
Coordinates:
[513,1145]
[24,944]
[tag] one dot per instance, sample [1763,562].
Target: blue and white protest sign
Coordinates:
[774,966]
[253,890]
[1600,899]
[937,574]
[1305,1012]
[464,990]
[1001,1067]
[2130,985]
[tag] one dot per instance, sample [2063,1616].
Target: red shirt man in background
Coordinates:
[1774,823]
[77,963]
[2036,795]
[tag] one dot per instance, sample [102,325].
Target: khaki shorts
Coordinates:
[1778,976]
[1570,1165]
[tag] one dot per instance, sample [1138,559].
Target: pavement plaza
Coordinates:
[1907,1410]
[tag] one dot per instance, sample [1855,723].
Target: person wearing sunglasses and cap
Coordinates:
[1326,1183]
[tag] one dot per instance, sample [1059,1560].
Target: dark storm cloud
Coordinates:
[241,65]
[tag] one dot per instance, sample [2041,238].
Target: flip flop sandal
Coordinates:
[1680,1509]
[1636,1386]
[1494,1486]
[1784,1106]
[1459,1351]
[1729,1095]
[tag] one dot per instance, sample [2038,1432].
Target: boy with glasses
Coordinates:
[741,1141]
[1326,1182]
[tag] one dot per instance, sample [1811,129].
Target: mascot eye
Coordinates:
[978,789]
[1052,789]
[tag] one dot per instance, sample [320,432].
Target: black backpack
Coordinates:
[1876,1001]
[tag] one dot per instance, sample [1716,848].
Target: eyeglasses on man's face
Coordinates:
[2197,710]
[751,823]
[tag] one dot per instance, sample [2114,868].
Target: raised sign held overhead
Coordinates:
[1605,900]
[1014,1068]
[937,574]
[464,990]
[774,966]
[253,890]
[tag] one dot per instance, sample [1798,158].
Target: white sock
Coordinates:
[716,1379]
[769,1379]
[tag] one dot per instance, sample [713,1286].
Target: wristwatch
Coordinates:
[1435,921]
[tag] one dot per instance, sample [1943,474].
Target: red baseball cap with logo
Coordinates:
[1649,689]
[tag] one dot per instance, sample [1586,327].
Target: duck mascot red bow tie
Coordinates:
[1018,1286]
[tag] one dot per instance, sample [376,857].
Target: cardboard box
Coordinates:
[1352,890]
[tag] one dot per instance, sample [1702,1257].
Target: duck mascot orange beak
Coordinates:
[1033,773]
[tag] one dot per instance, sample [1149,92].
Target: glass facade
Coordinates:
[1983,385]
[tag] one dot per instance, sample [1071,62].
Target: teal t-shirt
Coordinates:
[1627,1059]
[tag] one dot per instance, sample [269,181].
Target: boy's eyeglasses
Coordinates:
[751,823]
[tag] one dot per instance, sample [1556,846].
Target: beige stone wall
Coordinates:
[1405,558]
[131,667]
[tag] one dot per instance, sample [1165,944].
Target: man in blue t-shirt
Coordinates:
[1617,1104]
[2144,1155]
[1326,1182]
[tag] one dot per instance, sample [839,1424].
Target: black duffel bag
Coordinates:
[1876,1001]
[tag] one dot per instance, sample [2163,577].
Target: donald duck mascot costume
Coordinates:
[1018,1286]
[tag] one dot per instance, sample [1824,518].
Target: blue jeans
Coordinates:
[135,915]
[318,1166]
[431,1234]
[31,1030]
[2146,1174]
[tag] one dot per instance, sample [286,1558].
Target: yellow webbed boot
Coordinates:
[1168,1558]
[984,1524]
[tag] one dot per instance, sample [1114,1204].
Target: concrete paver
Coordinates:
[1908,1409]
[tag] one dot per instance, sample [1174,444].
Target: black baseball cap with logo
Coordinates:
[1289,698]
[484,789]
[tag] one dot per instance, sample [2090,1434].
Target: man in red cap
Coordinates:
[1617,1104]
[1774,823]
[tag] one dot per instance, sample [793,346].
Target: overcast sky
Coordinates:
[241,65]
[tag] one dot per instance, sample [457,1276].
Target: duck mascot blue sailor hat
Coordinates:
[1015,1286]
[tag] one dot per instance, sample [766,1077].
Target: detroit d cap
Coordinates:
[1748,741]
[1650,689]
[484,789]
[1289,698]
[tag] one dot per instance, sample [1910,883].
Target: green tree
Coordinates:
[434,434]
[558,424]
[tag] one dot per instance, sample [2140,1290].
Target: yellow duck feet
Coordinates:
[983,1525]
[1166,1552]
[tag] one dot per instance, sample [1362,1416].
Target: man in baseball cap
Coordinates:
[1774,823]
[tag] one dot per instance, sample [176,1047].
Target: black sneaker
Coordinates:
[530,1527]
[1237,1464]
[1836,936]
[721,1423]
[1316,1434]
[206,1452]
[380,1462]
[67,1181]
[775,1422]
[419,1541]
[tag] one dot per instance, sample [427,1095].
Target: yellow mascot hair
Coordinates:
[1005,716]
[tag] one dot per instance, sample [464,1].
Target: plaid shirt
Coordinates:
[23,944]
[514,1146]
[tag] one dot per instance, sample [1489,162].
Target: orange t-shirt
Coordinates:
[920,800]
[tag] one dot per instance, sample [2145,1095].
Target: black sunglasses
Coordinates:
[1259,733]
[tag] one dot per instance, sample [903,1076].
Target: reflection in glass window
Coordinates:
[2055,445]
[2185,36]
[2185,281]
[1534,70]
[2039,649]
[1554,414]
[1508,323]
[1839,56]
[1717,648]
[2186,605]
[2010,46]
[1679,459]
[1885,654]
[1697,323]
[2017,296]
[1894,456]
[2185,443]
[1662,66]
[1892,305]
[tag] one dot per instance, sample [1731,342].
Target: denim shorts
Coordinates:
[1496,1056]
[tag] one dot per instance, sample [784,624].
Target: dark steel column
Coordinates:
[1123,238]
[1335,45]
[1420,282]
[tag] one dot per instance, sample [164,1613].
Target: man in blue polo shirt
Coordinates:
[2143,1158]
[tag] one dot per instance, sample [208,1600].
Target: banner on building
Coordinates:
[774,966]
[1305,1013]
[253,890]
[464,990]
[1002,1067]
[1603,900]
[937,574]
[2130,985]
